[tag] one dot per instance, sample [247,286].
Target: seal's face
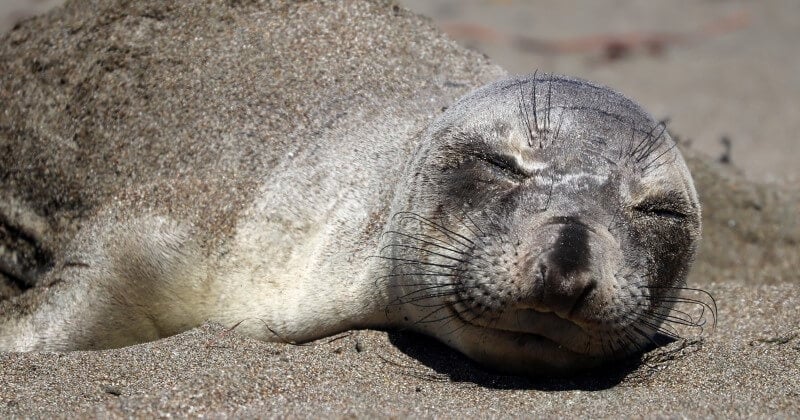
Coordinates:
[549,225]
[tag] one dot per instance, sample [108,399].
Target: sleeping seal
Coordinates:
[543,224]
[539,223]
[164,164]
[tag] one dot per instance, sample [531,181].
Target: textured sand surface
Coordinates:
[750,365]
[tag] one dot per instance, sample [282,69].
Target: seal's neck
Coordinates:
[305,277]
[300,266]
[302,297]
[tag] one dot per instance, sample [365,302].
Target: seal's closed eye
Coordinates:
[668,206]
[662,212]
[507,164]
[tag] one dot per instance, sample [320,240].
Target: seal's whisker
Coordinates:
[466,215]
[655,159]
[681,314]
[415,274]
[406,215]
[673,304]
[425,294]
[446,286]
[397,271]
[549,196]
[454,250]
[648,137]
[667,332]
[632,333]
[624,150]
[632,150]
[524,116]
[636,326]
[606,346]
[413,261]
[700,320]
[451,286]
[623,341]
[417,248]
[657,165]
[423,239]
[426,318]
[683,288]
[701,304]
[460,316]
[415,300]
[657,305]
[652,145]
[560,122]
[549,99]
[673,319]
[644,337]
[711,306]
[459,327]
[410,293]
[534,82]
[655,325]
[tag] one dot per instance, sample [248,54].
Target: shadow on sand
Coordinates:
[451,366]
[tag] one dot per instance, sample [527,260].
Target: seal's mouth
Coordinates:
[518,350]
[545,328]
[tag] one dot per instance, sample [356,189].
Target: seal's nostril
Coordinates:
[561,290]
[581,299]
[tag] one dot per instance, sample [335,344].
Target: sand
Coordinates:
[749,365]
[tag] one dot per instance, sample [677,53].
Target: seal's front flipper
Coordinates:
[120,284]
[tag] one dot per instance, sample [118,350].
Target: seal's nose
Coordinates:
[571,249]
[565,293]
[565,271]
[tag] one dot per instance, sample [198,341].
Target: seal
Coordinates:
[541,223]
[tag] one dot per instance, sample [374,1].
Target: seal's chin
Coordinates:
[518,351]
[524,341]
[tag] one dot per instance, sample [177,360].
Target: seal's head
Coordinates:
[548,225]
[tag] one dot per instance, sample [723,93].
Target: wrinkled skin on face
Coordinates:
[549,226]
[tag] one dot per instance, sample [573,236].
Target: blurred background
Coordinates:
[726,73]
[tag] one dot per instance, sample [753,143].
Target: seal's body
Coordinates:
[540,222]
